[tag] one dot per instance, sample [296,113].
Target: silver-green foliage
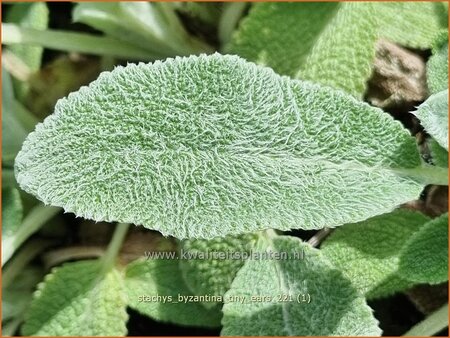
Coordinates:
[163,277]
[208,146]
[277,151]
[78,299]
[368,252]
[213,275]
[12,211]
[335,307]
[437,65]
[439,155]
[433,116]
[424,258]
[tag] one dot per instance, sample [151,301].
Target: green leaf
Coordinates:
[330,43]
[433,116]
[437,65]
[368,252]
[335,307]
[78,299]
[160,277]
[203,269]
[29,15]
[13,132]
[411,24]
[12,212]
[424,258]
[439,155]
[208,146]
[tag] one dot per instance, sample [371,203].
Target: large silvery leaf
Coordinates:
[154,287]
[437,65]
[368,252]
[78,299]
[329,43]
[207,146]
[433,116]
[335,307]
[424,258]
[209,266]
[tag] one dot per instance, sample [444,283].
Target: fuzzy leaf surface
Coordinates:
[437,65]
[209,146]
[77,299]
[368,252]
[163,277]
[424,258]
[433,116]
[214,275]
[411,24]
[336,308]
[329,43]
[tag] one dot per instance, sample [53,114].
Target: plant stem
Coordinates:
[37,217]
[232,12]
[114,246]
[431,325]
[426,174]
[72,42]
[21,260]
[315,240]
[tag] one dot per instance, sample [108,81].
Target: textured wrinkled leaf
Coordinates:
[150,278]
[437,65]
[424,258]
[335,308]
[214,275]
[207,146]
[368,252]
[433,116]
[78,299]
[13,132]
[412,24]
[439,156]
[329,43]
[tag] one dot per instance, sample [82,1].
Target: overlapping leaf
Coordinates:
[335,307]
[211,265]
[424,258]
[208,146]
[78,299]
[437,65]
[433,116]
[332,43]
[368,252]
[152,278]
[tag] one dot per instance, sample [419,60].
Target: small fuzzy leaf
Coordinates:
[214,275]
[208,146]
[335,307]
[437,65]
[161,277]
[439,155]
[411,24]
[424,258]
[368,252]
[78,299]
[433,116]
